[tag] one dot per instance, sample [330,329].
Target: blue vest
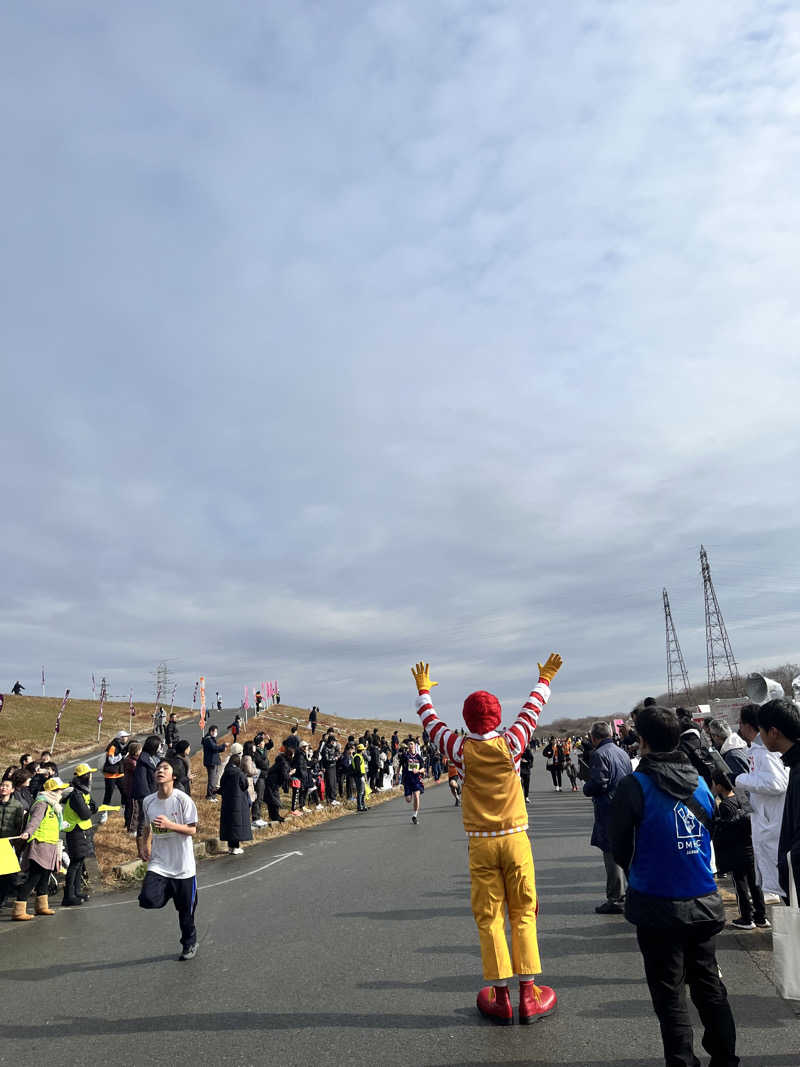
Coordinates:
[672,857]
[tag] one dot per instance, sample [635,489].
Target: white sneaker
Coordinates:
[104,817]
[259,823]
[414,819]
[318,807]
[235,851]
[336,803]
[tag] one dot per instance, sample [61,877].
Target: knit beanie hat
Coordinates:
[482,712]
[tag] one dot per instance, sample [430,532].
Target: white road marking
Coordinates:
[213,885]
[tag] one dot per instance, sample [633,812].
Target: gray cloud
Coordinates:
[336,337]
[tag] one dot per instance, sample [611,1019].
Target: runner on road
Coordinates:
[412,778]
[170,820]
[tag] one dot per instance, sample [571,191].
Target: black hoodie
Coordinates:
[673,774]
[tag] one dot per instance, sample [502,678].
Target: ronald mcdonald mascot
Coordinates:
[496,820]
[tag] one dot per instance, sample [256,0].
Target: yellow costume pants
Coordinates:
[501,869]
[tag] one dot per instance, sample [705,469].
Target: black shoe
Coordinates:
[763,924]
[71,902]
[188,953]
[610,908]
[742,924]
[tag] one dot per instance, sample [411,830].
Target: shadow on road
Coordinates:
[60,970]
[405,914]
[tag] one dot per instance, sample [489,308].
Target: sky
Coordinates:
[336,336]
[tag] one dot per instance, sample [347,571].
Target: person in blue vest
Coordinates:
[660,835]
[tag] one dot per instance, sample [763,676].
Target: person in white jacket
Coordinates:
[766,783]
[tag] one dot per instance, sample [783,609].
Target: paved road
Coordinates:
[362,950]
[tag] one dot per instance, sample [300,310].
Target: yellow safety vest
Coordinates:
[71,819]
[48,829]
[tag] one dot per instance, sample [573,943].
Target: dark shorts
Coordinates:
[157,891]
[412,784]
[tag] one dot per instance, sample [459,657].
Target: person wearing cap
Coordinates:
[42,854]
[77,814]
[359,779]
[113,769]
[496,820]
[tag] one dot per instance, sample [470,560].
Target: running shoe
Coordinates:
[742,924]
[414,819]
[188,953]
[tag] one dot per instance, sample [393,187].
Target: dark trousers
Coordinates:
[673,959]
[260,785]
[8,886]
[345,780]
[36,878]
[615,879]
[555,774]
[525,778]
[72,882]
[108,789]
[331,785]
[749,893]
[361,792]
[157,890]
[273,798]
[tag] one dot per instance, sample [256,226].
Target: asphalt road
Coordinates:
[353,943]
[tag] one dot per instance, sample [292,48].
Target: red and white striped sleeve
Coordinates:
[446,740]
[520,734]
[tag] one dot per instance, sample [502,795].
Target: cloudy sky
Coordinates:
[336,335]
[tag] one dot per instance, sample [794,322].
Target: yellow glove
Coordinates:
[551,668]
[422,677]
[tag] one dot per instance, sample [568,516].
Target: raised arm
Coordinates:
[446,740]
[519,735]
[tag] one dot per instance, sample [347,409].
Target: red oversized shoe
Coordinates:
[535,1002]
[494,1003]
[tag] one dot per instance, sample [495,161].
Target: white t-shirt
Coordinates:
[172,853]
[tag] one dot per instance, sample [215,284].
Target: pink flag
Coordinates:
[246,698]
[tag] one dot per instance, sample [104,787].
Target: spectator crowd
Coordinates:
[257,784]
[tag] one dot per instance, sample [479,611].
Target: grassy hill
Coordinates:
[27,722]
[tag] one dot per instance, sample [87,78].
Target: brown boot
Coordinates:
[43,906]
[20,912]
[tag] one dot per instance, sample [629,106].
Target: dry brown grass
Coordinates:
[115,847]
[26,725]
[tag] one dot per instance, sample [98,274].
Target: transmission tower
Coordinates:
[675,662]
[719,654]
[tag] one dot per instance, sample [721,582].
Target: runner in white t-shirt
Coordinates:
[170,823]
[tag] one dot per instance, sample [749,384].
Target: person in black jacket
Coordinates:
[234,812]
[329,752]
[779,727]
[211,761]
[77,813]
[182,766]
[525,769]
[694,746]
[659,831]
[263,743]
[300,775]
[144,779]
[171,734]
[733,849]
[277,779]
